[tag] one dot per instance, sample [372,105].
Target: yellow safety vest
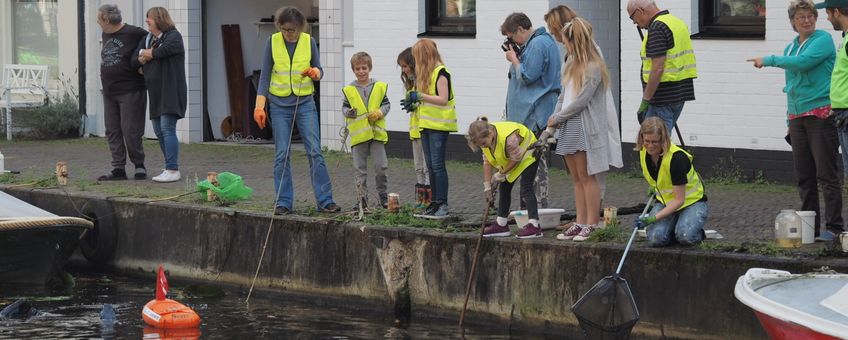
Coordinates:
[285,75]
[679,60]
[414,129]
[359,128]
[663,186]
[437,117]
[499,159]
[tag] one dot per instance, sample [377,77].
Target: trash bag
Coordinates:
[230,188]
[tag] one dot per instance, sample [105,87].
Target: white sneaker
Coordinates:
[167,176]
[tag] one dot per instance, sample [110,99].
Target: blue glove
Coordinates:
[413,97]
[408,106]
[643,108]
[647,219]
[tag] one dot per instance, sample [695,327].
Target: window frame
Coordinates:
[438,25]
[712,26]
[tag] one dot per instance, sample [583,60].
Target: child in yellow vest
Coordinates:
[423,192]
[505,150]
[364,107]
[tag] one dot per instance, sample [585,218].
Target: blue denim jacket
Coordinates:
[535,86]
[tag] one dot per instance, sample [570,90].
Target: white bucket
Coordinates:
[548,218]
[808,226]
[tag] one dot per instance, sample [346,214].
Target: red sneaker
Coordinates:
[496,230]
[529,231]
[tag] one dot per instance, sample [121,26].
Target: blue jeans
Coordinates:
[435,147]
[165,128]
[669,113]
[843,144]
[306,119]
[685,226]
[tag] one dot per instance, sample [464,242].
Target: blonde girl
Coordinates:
[583,138]
[434,97]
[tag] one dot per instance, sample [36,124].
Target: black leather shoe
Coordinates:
[117,174]
[282,211]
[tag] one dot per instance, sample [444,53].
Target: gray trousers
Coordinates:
[377,151]
[124,119]
[540,184]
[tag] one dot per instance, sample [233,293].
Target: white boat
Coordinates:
[797,306]
[34,244]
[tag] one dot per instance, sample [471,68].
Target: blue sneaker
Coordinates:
[439,214]
[826,236]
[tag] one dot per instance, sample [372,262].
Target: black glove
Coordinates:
[840,117]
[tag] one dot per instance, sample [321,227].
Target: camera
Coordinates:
[511,43]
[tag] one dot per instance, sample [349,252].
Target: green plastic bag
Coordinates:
[230,188]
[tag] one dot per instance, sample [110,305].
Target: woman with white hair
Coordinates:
[807,63]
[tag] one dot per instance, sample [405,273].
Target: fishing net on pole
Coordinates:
[607,311]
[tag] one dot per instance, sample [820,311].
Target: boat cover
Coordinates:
[12,208]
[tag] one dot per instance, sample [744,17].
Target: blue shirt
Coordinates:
[267,67]
[534,87]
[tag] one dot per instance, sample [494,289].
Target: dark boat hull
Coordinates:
[35,255]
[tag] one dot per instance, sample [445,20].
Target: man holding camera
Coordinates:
[534,83]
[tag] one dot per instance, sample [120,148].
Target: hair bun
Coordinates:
[483,118]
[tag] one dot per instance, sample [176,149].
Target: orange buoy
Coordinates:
[162,312]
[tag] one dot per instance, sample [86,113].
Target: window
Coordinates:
[744,19]
[36,33]
[451,18]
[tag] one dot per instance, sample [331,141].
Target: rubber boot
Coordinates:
[428,195]
[419,196]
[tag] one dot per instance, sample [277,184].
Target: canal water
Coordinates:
[74,313]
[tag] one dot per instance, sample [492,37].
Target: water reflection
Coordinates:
[76,314]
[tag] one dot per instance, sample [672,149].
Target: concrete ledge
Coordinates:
[680,292]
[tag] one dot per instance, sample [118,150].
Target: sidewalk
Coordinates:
[739,212]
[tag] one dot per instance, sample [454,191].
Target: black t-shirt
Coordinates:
[679,169]
[116,74]
[444,73]
[660,40]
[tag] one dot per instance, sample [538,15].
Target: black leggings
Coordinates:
[527,193]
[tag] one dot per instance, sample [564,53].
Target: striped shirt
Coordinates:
[660,40]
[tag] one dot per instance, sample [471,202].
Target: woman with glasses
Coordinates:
[807,63]
[291,66]
[680,210]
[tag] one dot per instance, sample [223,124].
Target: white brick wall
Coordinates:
[737,105]
[477,65]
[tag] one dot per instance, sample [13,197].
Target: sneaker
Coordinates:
[569,233]
[529,231]
[356,206]
[440,213]
[384,200]
[496,230]
[584,233]
[140,172]
[282,211]
[117,174]
[167,176]
[330,208]
[565,226]
[826,236]
[429,210]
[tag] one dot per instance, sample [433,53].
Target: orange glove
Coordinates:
[312,72]
[374,116]
[259,115]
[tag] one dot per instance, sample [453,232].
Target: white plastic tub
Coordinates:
[548,218]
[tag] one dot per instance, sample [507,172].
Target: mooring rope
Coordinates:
[21,223]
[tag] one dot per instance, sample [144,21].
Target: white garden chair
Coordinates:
[23,86]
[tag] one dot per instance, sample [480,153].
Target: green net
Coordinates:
[230,188]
